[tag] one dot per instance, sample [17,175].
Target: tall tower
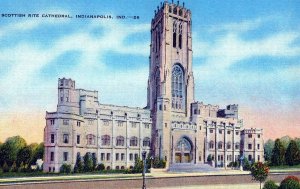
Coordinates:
[170,82]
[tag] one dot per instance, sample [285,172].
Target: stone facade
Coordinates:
[173,126]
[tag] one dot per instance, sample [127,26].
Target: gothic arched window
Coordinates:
[177,87]
[120,141]
[180,36]
[174,33]
[133,141]
[105,140]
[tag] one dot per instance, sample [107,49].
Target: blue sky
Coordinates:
[244,52]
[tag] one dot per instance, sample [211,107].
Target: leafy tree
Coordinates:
[24,155]
[88,162]
[246,164]
[292,154]
[285,141]
[278,153]
[268,147]
[38,153]
[10,149]
[259,172]
[94,159]
[78,168]
[138,166]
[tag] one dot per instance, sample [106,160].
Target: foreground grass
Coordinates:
[284,168]
[59,177]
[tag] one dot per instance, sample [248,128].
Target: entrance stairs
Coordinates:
[191,168]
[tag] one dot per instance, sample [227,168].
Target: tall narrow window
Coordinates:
[180,36]
[174,33]
[177,87]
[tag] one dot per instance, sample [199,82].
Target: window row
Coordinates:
[221,131]
[250,135]
[220,145]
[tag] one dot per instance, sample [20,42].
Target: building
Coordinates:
[173,126]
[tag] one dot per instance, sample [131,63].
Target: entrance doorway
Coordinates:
[183,151]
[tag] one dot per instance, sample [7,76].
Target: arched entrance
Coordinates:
[183,151]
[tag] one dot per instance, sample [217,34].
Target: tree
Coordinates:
[268,147]
[259,172]
[94,159]
[278,153]
[246,164]
[285,141]
[10,149]
[14,167]
[24,155]
[138,166]
[78,168]
[5,167]
[88,162]
[38,153]
[292,154]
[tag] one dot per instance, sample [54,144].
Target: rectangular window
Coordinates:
[258,157]
[52,121]
[147,125]
[130,157]
[65,122]
[228,132]
[258,136]
[166,125]
[236,133]
[90,122]
[117,156]
[211,130]
[120,123]
[65,156]
[250,157]
[105,122]
[66,138]
[78,139]
[78,123]
[102,156]
[52,138]
[133,124]
[258,146]
[108,156]
[220,131]
[122,156]
[52,156]
[249,135]
[250,146]
[136,156]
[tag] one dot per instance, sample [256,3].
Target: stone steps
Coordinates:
[190,167]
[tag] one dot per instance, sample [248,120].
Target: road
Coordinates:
[176,182]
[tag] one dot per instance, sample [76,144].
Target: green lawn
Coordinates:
[284,168]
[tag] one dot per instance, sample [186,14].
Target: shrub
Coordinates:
[65,168]
[78,168]
[246,165]
[290,182]
[100,167]
[87,162]
[14,167]
[5,167]
[159,163]
[270,184]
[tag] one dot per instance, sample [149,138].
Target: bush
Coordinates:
[290,182]
[100,167]
[270,184]
[246,165]
[65,168]
[158,163]
[14,167]
[5,167]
